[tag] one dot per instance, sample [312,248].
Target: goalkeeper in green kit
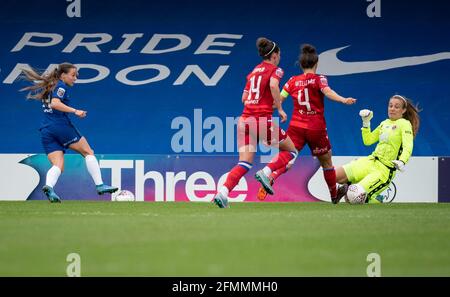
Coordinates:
[362,180]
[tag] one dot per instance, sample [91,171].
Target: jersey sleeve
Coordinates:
[59,92]
[277,74]
[322,82]
[370,137]
[286,91]
[407,141]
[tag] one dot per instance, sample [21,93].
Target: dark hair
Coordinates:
[308,56]
[43,83]
[412,112]
[266,47]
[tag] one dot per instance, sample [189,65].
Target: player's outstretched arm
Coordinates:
[58,105]
[327,91]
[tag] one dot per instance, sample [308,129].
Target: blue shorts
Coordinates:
[59,137]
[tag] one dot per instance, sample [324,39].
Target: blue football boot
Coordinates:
[51,195]
[221,201]
[102,189]
[265,181]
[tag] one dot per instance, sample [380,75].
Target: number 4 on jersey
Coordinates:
[306,102]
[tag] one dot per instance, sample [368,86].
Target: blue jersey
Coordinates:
[53,116]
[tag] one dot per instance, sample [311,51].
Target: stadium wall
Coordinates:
[196,178]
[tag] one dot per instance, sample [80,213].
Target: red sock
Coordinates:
[276,174]
[330,178]
[235,175]
[280,160]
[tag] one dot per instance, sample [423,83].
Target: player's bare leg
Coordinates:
[341,176]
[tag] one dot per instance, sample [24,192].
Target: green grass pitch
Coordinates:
[198,239]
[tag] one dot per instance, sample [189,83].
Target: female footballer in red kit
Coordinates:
[261,94]
[308,125]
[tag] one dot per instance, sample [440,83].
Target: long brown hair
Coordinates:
[412,112]
[44,83]
[308,56]
[266,48]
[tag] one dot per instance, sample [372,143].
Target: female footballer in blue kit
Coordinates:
[57,131]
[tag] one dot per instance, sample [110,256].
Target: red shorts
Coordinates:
[251,130]
[317,140]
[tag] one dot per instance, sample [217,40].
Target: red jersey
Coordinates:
[306,91]
[259,99]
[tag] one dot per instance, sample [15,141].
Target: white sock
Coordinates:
[224,191]
[267,171]
[52,176]
[94,169]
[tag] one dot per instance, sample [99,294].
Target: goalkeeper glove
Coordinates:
[366,115]
[399,165]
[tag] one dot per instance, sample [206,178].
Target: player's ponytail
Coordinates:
[43,83]
[412,112]
[308,56]
[266,48]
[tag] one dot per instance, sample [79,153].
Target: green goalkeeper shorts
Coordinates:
[371,174]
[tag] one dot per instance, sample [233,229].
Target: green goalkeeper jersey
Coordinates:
[395,141]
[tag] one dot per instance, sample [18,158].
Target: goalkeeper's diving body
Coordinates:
[371,175]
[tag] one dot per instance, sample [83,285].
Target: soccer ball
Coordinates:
[355,194]
[124,195]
